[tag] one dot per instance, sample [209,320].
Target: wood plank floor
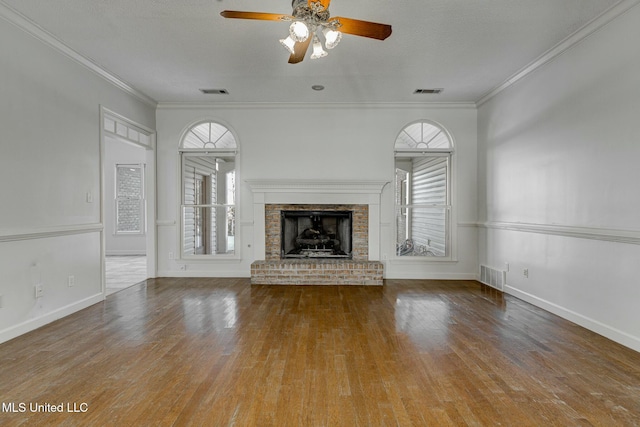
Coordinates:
[217,352]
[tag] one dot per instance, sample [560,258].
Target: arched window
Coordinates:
[423,135]
[208,135]
[208,182]
[423,153]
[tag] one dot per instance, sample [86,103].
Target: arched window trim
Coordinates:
[422,146]
[210,144]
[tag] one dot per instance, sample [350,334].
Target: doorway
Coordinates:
[128,214]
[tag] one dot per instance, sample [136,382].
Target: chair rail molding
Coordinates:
[604,234]
[12,235]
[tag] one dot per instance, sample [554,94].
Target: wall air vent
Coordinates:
[428,91]
[215,91]
[493,277]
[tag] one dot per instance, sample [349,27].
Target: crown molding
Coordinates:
[16,18]
[314,105]
[588,29]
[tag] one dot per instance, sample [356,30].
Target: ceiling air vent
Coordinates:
[215,91]
[426,91]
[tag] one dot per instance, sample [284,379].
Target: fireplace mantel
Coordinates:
[300,191]
[315,186]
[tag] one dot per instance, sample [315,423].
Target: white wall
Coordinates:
[348,142]
[49,121]
[558,187]
[120,152]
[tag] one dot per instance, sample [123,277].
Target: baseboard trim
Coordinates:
[33,324]
[201,273]
[243,274]
[593,325]
[435,276]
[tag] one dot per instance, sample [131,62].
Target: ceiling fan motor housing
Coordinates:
[298,3]
[313,13]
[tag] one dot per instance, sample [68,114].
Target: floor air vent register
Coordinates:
[493,277]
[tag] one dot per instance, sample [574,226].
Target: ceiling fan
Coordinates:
[309,18]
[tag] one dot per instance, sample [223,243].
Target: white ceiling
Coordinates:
[169,49]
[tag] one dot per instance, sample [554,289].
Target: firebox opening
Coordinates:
[316,234]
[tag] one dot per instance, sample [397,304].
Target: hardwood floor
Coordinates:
[220,352]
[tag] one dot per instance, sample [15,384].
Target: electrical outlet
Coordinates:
[39,291]
[525,273]
[71,281]
[1,300]
[171,255]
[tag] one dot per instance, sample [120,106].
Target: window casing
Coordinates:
[423,211]
[129,199]
[208,192]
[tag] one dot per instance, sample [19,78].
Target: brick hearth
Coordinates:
[316,272]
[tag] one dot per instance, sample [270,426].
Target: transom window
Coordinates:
[208,182]
[209,135]
[423,153]
[423,136]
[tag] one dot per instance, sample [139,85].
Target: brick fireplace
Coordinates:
[361,198]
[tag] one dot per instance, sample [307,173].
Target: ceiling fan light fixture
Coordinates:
[288,44]
[331,38]
[299,31]
[307,20]
[318,51]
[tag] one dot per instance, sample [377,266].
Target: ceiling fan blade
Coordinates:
[300,50]
[325,3]
[255,15]
[363,28]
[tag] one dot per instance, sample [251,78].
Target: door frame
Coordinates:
[126,130]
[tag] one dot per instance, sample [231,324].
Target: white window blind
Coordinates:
[199,193]
[429,204]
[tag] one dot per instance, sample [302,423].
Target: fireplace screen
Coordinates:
[316,234]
